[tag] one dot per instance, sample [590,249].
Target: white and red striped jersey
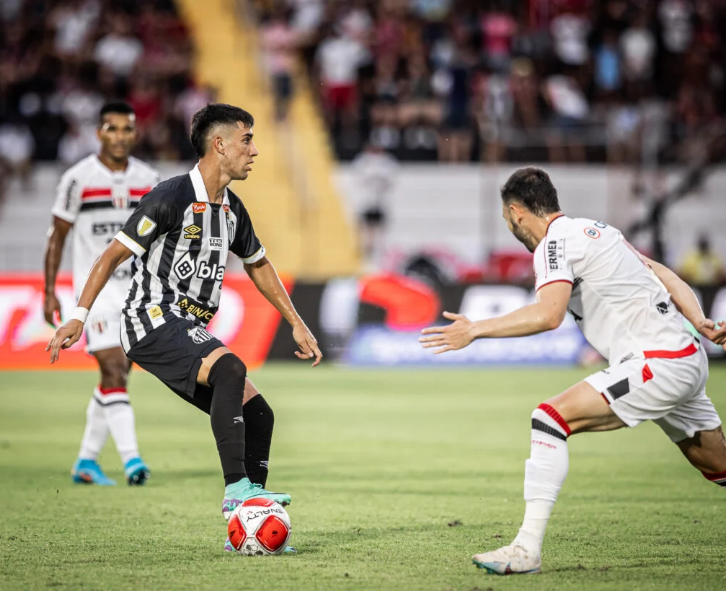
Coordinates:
[620,305]
[98,201]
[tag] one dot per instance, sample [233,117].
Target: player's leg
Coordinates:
[579,409]
[225,373]
[114,398]
[259,423]
[86,468]
[706,451]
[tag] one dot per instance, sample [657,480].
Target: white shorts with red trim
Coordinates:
[103,328]
[669,390]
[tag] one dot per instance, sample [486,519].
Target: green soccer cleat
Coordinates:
[239,492]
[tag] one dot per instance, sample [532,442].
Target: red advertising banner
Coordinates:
[246,323]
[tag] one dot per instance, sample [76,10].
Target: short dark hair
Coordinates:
[119,107]
[215,114]
[532,187]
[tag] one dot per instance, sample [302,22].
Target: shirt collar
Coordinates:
[200,191]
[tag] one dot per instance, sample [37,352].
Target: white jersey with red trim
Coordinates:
[620,305]
[98,201]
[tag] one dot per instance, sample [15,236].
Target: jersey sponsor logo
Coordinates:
[106,228]
[662,308]
[155,312]
[225,207]
[196,309]
[185,267]
[552,255]
[69,194]
[199,207]
[145,226]
[193,232]
[199,335]
[592,233]
[215,243]
[214,271]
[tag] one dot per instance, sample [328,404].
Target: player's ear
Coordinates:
[219,144]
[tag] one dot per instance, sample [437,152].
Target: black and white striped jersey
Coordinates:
[181,241]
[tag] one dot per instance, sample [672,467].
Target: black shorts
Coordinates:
[173,352]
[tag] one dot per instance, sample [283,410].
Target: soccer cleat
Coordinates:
[237,493]
[89,472]
[510,560]
[137,473]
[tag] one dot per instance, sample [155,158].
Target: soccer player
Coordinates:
[181,234]
[631,310]
[95,198]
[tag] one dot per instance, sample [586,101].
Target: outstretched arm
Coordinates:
[68,334]
[547,313]
[687,304]
[57,234]
[267,281]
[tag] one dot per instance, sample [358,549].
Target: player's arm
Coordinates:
[267,281]
[68,334]
[686,302]
[547,313]
[57,234]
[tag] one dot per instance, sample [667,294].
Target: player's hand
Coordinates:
[713,331]
[449,338]
[66,336]
[51,309]
[307,343]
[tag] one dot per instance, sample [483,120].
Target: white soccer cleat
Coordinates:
[510,560]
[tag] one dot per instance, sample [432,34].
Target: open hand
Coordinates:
[714,332]
[456,335]
[307,343]
[66,336]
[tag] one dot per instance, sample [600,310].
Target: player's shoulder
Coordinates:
[579,228]
[143,168]
[236,204]
[176,192]
[80,169]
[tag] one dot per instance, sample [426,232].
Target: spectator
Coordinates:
[638,46]
[119,51]
[16,153]
[497,27]
[569,33]
[702,266]
[608,71]
[570,110]
[279,41]
[73,21]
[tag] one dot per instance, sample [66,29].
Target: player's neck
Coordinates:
[113,165]
[215,181]
[539,231]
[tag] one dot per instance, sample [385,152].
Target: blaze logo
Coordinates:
[215,272]
[199,207]
[192,232]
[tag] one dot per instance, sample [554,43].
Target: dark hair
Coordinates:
[119,107]
[532,187]
[212,115]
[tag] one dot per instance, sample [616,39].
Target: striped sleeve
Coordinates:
[67,198]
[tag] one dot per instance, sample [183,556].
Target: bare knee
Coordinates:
[706,451]
[114,369]
[250,391]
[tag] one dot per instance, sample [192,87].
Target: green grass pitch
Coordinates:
[397,478]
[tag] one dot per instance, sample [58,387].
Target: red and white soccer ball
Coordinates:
[259,527]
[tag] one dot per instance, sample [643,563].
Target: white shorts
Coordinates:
[103,328]
[669,392]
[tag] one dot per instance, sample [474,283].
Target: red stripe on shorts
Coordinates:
[690,350]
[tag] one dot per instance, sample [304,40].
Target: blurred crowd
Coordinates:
[460,80]
[60,60]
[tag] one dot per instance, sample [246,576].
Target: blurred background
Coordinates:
[385,129]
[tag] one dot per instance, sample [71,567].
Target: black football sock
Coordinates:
[227,378]
[259,421]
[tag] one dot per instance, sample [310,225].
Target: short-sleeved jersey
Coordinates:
[620,305]
[181,242]
[98,201]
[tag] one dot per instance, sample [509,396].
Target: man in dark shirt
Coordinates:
[180,234]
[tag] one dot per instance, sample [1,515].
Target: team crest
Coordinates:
[231,226]
[199,335]
[145,226]
[592,233]
[120,196]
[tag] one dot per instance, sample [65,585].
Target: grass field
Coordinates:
[380,465]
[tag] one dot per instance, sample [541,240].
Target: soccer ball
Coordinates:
[259,527]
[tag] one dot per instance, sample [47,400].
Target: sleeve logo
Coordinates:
[592,233]
[552,255]
[145,226]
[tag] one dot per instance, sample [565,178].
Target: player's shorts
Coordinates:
[669,392]
[103,328]
[173,352]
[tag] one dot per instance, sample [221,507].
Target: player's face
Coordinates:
[240,152]
[117,135]
[511,215]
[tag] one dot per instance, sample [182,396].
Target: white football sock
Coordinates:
[544,473]
[120,418]
[96,432]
